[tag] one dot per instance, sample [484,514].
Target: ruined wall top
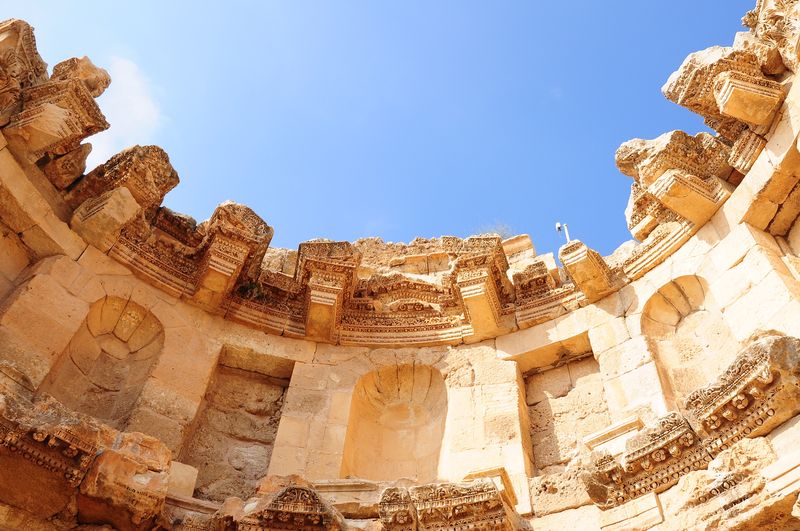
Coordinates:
[430,291]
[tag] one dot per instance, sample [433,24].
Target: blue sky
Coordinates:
[394,119]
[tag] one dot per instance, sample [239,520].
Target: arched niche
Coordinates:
[397,419]
[105,364]
[688,337]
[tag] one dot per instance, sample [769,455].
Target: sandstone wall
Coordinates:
[156,372]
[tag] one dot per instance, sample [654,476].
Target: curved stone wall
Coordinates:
[441,384]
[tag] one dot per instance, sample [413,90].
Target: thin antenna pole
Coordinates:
[563,226]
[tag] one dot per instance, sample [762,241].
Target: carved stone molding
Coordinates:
[475,504]
[296,508]
[757,392]
[118,478]
[21,66]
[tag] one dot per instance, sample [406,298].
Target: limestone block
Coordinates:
[747,98]
[256,361]
[554,383]
[553,493]
[688,196]
[624,358]
[647,160]
[634,391]
[641,513]
[293,431]
[608,335]
[13,256]
[612,438]
[165,429]
[306,402]
[188,379]
[754,310]
[21,65]
[584,372]
[182,479]
[557,424]
[144,170]
[121,490]
[164,399]
[56,117]
[99,220]
[585,517]
[41,304]
[495,372]
[587,269]
[96,80]
[287,460]
[517,245]
[734,479]
[27,213]
[66,169]
[480,300]
[735,246]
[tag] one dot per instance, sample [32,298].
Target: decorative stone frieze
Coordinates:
[757,392]
[475,504]
[295,508]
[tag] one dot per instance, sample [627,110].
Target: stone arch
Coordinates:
[686,333]
[397,419]
[102,370]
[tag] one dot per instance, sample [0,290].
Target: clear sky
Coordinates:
[346,119]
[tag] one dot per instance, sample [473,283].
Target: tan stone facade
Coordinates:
[159,373]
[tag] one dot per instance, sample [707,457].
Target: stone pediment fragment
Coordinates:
[473,504]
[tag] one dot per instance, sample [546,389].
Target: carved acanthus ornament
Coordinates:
[776,31]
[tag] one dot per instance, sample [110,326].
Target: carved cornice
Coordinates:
[475,504]
[758,391]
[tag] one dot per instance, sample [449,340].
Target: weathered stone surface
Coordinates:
[100,220]
[96,80]
[468,380]
[21,66]
[144,170]
[232,442]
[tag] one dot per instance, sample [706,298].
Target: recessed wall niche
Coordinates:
[234,433]
[397,419]
[105,364]
[687,335]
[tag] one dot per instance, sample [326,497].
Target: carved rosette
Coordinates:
[758,391]
[58,451]
[396,510]
[749,393]
[475,504]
